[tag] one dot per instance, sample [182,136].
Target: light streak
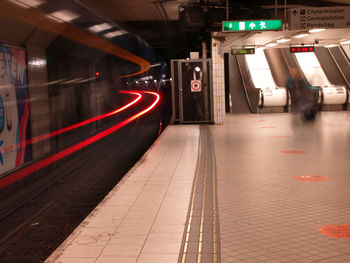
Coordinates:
[77,125]
[60,155]
[39,19]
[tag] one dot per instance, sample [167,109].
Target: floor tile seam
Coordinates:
[159,210]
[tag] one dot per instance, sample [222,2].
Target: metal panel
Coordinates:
[186,104]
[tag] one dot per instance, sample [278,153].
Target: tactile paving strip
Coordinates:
[201,241]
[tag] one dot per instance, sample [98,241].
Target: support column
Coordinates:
[218,82]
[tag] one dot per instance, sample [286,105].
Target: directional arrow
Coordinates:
[252,25]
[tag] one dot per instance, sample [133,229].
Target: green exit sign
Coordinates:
[251,25]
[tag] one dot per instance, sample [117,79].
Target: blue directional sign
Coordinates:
[251,25]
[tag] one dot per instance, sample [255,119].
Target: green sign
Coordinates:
[252,25]
[242,51]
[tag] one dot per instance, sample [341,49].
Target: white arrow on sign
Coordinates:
[252,25]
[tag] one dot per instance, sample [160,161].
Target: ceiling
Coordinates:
[176,27]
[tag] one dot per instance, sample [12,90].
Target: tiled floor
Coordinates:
[143,217]
[282,184]
[265,214]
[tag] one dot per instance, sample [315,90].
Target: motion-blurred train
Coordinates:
[73,88]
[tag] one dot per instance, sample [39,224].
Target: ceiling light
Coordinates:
[301,35]
[100,27]
[115,33]
[283,40]
[331,45]
[271,44]
[316,30]
[65,15]
[345,42]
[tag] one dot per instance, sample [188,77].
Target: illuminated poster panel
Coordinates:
[14,109]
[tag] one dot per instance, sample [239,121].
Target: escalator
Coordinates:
[320,71]
[343,64]
[244,96]
[274,98]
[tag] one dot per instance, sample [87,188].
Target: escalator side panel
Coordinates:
[329,66]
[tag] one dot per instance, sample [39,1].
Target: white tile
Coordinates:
[164,237]
[117,259]
[158,258]
[73,260]
[128,240]
[162,248]
[122,250]
[82,251]
[168,228]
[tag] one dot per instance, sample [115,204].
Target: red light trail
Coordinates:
[77,125]
[55,157]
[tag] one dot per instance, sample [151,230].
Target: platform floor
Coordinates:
[261,188]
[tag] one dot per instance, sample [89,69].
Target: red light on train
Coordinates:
[302,49]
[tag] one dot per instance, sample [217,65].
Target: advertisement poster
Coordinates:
[14,109]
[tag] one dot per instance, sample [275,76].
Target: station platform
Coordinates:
[261,188]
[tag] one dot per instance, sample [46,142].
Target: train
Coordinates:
[69,86]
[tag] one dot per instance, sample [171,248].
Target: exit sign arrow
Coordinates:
[252,25]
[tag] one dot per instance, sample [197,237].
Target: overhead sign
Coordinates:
[196,86]
[251,25]
[319,17]
[242,51]
[302,49]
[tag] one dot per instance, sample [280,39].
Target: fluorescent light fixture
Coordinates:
[345,42]
[331,45]
[301,35]
[271,44]
[315,30]
[100,27]
[283,40]
[115,33]
[32,3]
[65,15]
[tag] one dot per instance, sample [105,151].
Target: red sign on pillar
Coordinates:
[196,86]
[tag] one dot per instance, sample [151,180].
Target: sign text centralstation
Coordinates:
[251,25]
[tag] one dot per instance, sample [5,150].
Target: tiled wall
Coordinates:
[218,82]
[38,100]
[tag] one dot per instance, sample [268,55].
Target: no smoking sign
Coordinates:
[196,86]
